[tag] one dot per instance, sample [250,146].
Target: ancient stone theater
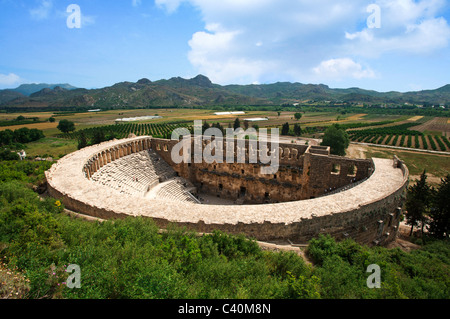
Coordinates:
[311,193]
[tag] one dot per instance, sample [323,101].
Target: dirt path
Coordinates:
[356,151]
[400,148]
[430,179]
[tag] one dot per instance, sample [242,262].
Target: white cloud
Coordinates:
[170,5]
[337,69]
[87,20]
[266,40]
[9,79]
[42,12]
[136,3]
[214,54]
[407,27]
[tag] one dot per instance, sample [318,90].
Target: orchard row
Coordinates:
[120,131]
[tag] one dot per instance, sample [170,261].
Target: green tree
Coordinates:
[98,136]
[337,139]
[66,126]
[36,134]
[6,137]
[82,141]
[237,124]
[52,120]
[285,129]
[218,126]
[297,130]
[205,126]
[8,155]
[440,211]
[418,199]
[298,116]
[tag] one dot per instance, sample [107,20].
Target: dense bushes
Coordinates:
[21,136]
[131,258]
[7,154]
[23,171]
[420,274]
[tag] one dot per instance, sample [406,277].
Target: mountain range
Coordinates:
[200,91]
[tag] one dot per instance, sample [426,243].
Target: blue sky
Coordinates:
[230,41]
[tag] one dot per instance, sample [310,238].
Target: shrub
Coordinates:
[321,247]
[304,288]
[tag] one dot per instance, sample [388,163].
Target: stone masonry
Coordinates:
[365,203]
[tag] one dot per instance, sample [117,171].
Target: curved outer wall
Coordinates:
[369,213]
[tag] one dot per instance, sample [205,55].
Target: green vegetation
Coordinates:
[440,210]
[7,155]
[20,136]
[237,123]
[50,147]
[402,129]
[200,92]
[429,207]
[416,274]
[13,141]
[400,133]
[437,165]
[132,259]
[337,139]
[365,124]
[285,129]
[418,203]
[297,129]
[21,120]
[100,134]
[66,126]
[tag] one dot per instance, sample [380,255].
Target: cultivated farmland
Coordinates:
[429,135]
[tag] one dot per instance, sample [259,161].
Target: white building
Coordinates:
[257,119]
[135,119]
[229,113]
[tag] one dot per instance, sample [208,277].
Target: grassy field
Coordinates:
[56,147]
[12,116]
[437,166]
[40,126]
[90,119]
[51,147]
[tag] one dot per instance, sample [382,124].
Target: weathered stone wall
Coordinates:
[369,212]
[302,174]
[326,173]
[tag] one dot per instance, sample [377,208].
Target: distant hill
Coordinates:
[282,91]
[9,95]
[28,89]
[200,91]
